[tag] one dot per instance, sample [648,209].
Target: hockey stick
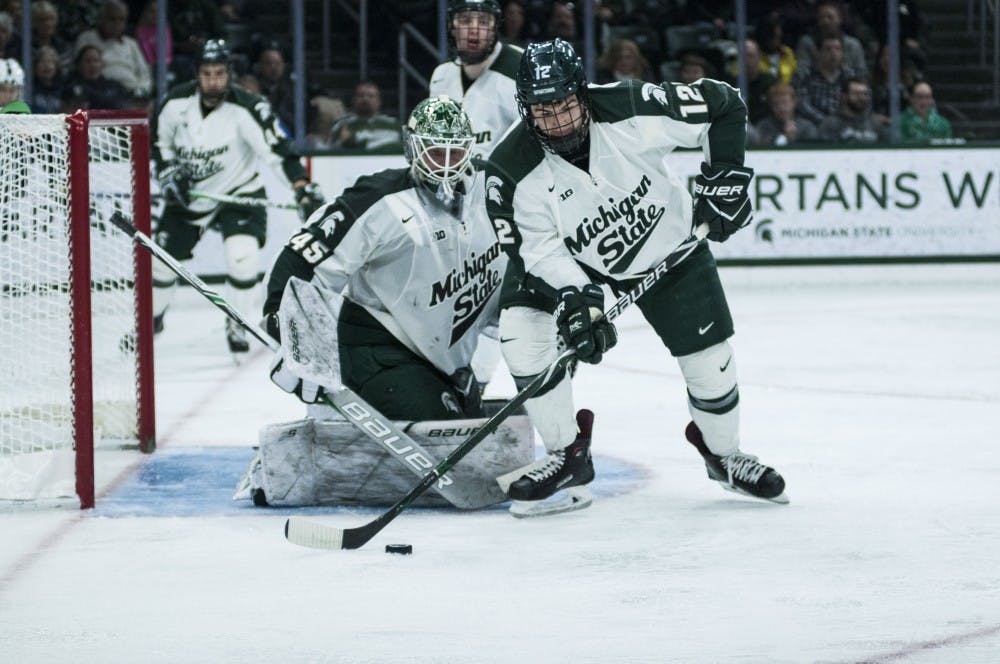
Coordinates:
[305,532]
[345,401]
[246,201]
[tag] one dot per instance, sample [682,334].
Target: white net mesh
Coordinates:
[36,340]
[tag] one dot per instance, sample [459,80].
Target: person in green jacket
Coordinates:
[921,121]
[11,82]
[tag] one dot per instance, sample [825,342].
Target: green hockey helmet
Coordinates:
[550,72]
[214,52]
[437,142]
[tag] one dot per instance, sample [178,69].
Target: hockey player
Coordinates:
[414,254]
[481,77]
[209,136]
[11,83]
[583,193]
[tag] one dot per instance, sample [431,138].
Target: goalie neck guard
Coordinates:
[437,142]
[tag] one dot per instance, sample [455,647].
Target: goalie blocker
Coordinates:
[328,462]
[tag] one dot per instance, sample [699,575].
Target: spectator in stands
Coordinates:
[758,82]
[145,35]
[123,59]
[561,23]
[829,23]
[623,60]
[777,58]
[44,26]
[192,23]
[781,126]
[48,83]
[854,123]
[514,26]
[365,128]
[921,121]
[249,83]
[276,85]
[76,17]
[89,88]
[819,86]
[10,44]
[908,75]
[694,67]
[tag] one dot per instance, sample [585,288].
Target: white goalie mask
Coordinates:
[11,80]
[438,144]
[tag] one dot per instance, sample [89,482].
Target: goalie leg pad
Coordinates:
[528,339]
[713,396]
[309,462]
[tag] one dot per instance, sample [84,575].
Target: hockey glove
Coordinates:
[175,182]
[581,322]
[722,199]
[309,199]
[284,378]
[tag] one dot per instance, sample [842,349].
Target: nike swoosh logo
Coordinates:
[703,330]
[552,188]
[503,341]
[407,219]
[723,367]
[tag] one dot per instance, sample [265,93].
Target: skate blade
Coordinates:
[569,500]
[781,498]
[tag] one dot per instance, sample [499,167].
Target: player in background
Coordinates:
[11,83]
[210,136]
[481,77]
[414,255]
[582,194]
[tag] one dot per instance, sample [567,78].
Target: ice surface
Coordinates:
[874,390]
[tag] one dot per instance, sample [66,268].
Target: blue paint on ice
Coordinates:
[200,481]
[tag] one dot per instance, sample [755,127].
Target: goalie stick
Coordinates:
[305,532]
[344,400]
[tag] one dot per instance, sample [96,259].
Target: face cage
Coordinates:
[560,145]
[445,175]
[473,57]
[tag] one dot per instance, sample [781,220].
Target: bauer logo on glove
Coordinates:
[722,199]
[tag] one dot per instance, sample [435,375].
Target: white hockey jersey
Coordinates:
[430,278]
[489,101]
[613,222]
[222,150]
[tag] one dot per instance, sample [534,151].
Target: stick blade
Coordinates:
[313,535]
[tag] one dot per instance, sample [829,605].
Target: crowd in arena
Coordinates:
[816,70]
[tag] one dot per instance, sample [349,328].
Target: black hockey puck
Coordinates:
[399,548]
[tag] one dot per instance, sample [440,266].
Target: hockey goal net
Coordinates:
[75,306]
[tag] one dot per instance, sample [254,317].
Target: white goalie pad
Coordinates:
[312,462]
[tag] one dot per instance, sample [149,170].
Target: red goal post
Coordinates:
[76,353]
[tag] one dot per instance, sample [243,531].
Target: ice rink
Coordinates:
[874,390]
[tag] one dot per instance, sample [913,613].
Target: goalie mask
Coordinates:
[552,96]
[472,28]
[11,81]
[437,142]
[213,72]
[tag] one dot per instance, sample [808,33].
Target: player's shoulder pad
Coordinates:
[259,107]
[517,154]
[368,190]
[508,60]
[187,89]
[619,101]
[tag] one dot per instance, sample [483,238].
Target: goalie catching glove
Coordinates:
[175,182]
[581,322]
[722,199]
[309,199]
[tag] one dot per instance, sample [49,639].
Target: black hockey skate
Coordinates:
[236,337]
[739,472]
[570,466]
